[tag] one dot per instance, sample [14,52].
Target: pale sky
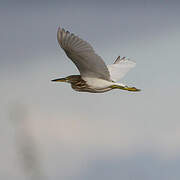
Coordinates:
[77,136]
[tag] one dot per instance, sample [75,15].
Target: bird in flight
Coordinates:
[95,76]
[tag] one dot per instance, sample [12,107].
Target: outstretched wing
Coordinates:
[82,54]
[120,67]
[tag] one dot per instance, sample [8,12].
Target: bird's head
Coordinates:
[68,79]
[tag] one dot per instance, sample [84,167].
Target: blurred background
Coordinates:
[48,131]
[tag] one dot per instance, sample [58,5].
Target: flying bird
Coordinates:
[95,76]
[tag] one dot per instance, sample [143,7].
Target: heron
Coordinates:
[95,76]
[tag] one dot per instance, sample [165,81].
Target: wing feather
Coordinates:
[120,68]
[83,55]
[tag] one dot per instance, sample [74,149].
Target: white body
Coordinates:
[97,83]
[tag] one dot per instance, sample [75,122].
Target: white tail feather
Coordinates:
[120,68]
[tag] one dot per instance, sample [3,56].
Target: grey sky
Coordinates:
[92,136]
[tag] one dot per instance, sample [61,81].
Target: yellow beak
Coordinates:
[60,80]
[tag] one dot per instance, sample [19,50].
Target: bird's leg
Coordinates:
[124,88]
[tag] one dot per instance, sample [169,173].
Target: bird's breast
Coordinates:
[97,83]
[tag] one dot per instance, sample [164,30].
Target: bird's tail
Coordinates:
[125,88]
